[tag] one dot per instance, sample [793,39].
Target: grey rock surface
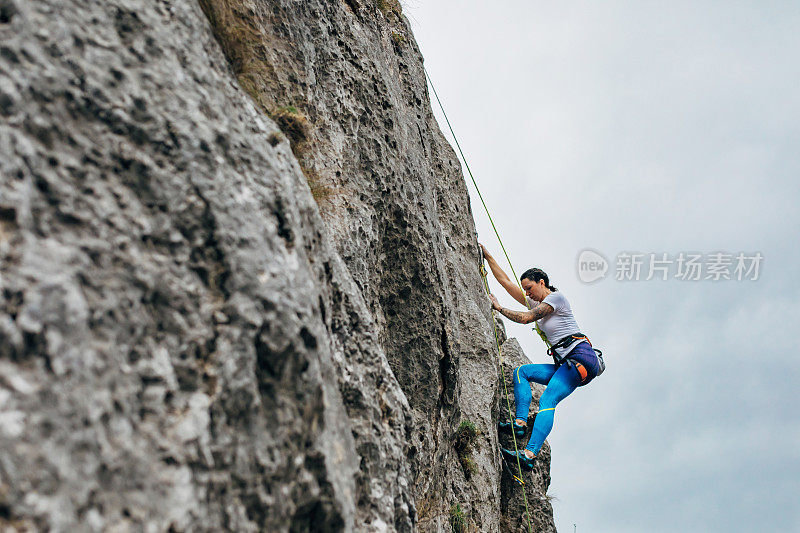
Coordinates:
[188,340]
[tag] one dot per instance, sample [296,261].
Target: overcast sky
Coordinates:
[647,127]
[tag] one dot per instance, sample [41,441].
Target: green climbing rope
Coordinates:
[483,202]
[486,286]
[508,403]
[470,173]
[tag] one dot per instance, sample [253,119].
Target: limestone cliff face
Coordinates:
[239,286]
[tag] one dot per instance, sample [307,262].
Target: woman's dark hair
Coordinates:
[535,274]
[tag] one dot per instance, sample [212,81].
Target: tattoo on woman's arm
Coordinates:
[520,317]
[526,317]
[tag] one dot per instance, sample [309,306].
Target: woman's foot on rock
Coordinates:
[506,427]
[525,462]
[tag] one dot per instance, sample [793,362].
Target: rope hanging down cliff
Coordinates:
[518,479]
[483,202]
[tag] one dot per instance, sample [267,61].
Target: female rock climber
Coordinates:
[576,361]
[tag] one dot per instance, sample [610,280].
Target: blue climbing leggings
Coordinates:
[560,381]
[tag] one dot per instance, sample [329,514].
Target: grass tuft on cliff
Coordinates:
[465,435]
[241,42]
[319,190]
[468,465]
[398,39]
[389,7]
[458,522]
[295,126]
[463,438]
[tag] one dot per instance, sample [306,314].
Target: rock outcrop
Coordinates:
[239,277]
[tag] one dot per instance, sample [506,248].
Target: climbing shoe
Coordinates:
[506,427]
[525,462]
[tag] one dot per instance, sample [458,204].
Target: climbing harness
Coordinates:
[566,341]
